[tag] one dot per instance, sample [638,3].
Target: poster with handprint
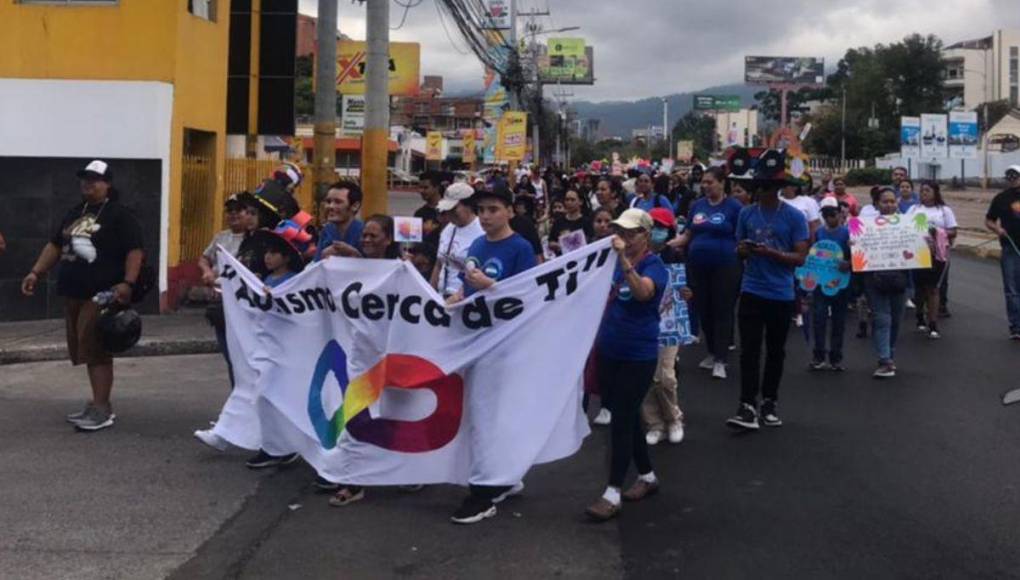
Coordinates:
[889,242]
[822,270]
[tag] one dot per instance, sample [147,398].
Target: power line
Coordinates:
[407,9]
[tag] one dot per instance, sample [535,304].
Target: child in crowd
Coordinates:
[831,308]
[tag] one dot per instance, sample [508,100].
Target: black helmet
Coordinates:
[119,328]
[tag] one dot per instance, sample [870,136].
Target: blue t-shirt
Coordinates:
[907,203]
[780,229]
[331,234]
[840,235]
[499,260]
[630,329]
[714,241]
[274,281]
[650,203]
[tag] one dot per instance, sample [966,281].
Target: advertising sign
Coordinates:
[352,116]
[405,63]
[934,137]
[684,151]
[889,242]
[784,70]
[470,155]
[512,138]
[725,103]
[910,137]
[963,134]
[434,146]
[497,15]
[567,63]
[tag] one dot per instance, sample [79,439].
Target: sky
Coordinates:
[646,48]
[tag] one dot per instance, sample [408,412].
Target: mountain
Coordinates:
[618,118]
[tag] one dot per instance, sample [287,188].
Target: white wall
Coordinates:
[91,119]
[950,168]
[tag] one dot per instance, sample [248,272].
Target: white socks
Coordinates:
[648,477]
[612,495]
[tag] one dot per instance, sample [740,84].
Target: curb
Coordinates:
[981,252]
[52,352]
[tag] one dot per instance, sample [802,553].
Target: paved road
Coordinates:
[912,478]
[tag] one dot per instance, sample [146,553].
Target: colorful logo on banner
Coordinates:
[400,371]
[674,318]
[405,65]
[821,269]
[892,242]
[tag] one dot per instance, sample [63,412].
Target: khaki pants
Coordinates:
[660,408]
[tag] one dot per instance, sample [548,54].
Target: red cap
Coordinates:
[663,217]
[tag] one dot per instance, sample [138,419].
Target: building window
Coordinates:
[70,2]
[205,9]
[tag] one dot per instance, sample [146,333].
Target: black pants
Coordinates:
[715,291]
[626,382]
[759,317]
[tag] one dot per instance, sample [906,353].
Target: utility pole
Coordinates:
[842,134]
[324,156]
[374,151]
[515,98]
[667,136]
[532,54]
[251,141]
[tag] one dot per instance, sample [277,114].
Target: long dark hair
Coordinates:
[386,223]
[936,190]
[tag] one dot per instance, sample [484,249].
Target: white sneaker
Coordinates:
[653,437]
[910,304]
[676,432]
[515,490]
[799,320]
[719,371]
[708,363]
[212,440]
[603,418]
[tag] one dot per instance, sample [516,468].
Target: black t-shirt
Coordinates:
[94,242]
[563,225]
[1006,208]
[526,229]
[252,252]
[427,212]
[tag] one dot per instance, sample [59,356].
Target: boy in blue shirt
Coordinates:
[773,239]
[834,308]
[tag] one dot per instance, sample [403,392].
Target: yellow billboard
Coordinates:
[470,155]
[434,146]
[512,136]
[405,65]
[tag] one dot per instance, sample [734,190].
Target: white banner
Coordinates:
[934,137]
[358,366]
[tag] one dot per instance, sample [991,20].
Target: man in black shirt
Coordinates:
[99,247]
[1003,219]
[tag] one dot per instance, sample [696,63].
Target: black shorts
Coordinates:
[929,277]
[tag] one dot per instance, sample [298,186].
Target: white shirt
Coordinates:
[454,243]
[939,217]
[230,241]
[807,206]
[869,211]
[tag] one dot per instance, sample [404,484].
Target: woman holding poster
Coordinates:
[941,236]
[886,291]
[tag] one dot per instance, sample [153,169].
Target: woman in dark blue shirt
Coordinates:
[628,349]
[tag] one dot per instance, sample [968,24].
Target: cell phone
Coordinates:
[752,243]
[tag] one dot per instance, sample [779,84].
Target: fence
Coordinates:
[198,205]
[836,166]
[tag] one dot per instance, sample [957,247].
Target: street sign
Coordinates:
[434,146]
[405,65]
[785,70]
[724,103]
[352,116]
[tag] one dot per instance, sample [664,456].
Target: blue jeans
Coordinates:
[823,309]
[886,314]
[1011,287]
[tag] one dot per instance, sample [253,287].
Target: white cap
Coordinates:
[829,202]
[1015,168]
[455,194]
[97,168]
[633,219]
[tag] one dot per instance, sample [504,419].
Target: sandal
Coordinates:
[347,495]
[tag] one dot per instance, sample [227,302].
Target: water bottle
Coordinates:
[105,298]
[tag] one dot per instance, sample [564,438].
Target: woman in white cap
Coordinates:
[628,350]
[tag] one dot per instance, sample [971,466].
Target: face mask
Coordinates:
[659,236]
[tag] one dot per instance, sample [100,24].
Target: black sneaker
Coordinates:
[862,329]
[769,417]
[746,418]
[473,510]
[262,460]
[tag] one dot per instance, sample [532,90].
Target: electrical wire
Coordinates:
[442,20]
[407,9]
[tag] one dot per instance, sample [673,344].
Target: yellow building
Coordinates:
[140,83]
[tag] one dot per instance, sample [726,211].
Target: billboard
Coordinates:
[405,64]
[567,61]
[470,147]
[784,70]
[434,146]
[726,103]
[352,116]
[910,137]
[496,15]
[512,136]
[685,151]
[934,137]
[963,135]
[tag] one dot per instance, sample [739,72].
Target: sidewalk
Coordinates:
[185,332]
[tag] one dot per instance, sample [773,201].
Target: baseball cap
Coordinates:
[829,202]
[1014,168]
[502,193]
[98,170]
[633,219]
[455,194]
[662,216]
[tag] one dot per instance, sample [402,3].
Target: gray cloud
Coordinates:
[655,47]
